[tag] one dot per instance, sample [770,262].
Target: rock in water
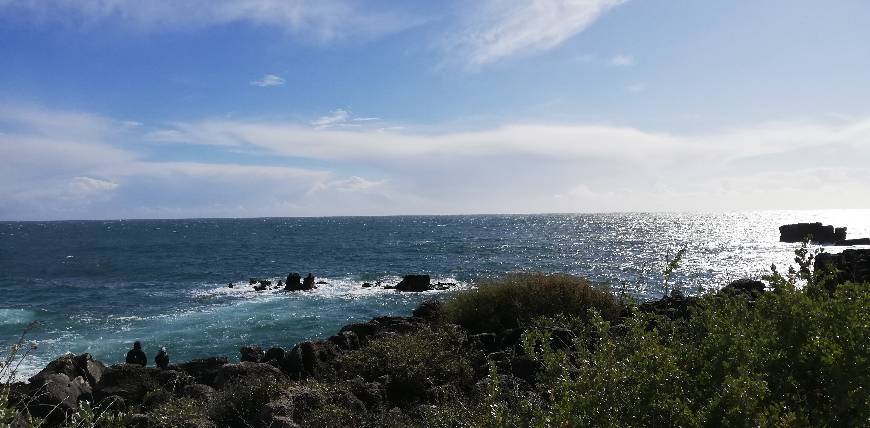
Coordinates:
[821,234]
[308,282]
[415,283]
[293,283]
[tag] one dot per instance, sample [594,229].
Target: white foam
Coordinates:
[337,288]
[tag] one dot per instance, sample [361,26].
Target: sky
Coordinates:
[262,108]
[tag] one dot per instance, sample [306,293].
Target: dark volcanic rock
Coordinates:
[83,365]
[857,241]
[744,286]
[204,370]
[296,283]
[57,390]
[274,354]
[415,283]
[252,354]
[247,372]
[131,382]
[308,282]
[850,265]
[821,234]
[308,359]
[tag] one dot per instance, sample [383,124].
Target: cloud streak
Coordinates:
[102,170]
[320,20]
[498,29]
[268,80]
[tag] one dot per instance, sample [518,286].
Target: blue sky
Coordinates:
[192,108]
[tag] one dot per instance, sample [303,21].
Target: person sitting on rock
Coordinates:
[136,356]
[161,360]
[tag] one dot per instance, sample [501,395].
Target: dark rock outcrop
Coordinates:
[819,233]
[415,283]
[746,286]
[247,372]
[203,370]
[297,283]
[131,382]
[850,265]
[252,354]
[83,365]
[308,359]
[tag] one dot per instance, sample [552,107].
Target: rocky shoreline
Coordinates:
[65,384]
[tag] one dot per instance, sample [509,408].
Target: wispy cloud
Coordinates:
[621,60]
[337,117]
[104,169]
[320,20]
[498,29]
[268,80]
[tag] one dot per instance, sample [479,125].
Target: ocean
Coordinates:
[96,286]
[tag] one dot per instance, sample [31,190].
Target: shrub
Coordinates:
[178,412]
[414,363]
[517,299]
[794,356]
[241,404]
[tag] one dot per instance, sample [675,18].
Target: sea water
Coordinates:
[96,286]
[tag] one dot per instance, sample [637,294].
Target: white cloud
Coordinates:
[621,60]
[321,20]
[498,29]
[98,170]
[339,116]
[268,80]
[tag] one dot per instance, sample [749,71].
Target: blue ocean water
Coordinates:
[96,286]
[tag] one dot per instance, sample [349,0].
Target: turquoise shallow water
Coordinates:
[95,286]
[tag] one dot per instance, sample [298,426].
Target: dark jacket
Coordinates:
[161,359]
[136,356]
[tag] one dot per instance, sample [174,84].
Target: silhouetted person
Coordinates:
[161,360]
[136,356]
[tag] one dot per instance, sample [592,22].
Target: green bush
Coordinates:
[178,412]
[241,404]
[517,299]
[793,356]
[414,362]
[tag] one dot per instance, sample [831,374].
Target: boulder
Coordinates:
[247,372]
[819,233]
[293,282]
[309,359]
[253,354]
[274,354]
[83,365]
[346,340]
[204,370]
[415,283]
[131,382]
[370,393]
[748,286]
[308,283]
[850,265]
[674,306]
[56,395]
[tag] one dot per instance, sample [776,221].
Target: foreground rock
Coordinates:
[850,265]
